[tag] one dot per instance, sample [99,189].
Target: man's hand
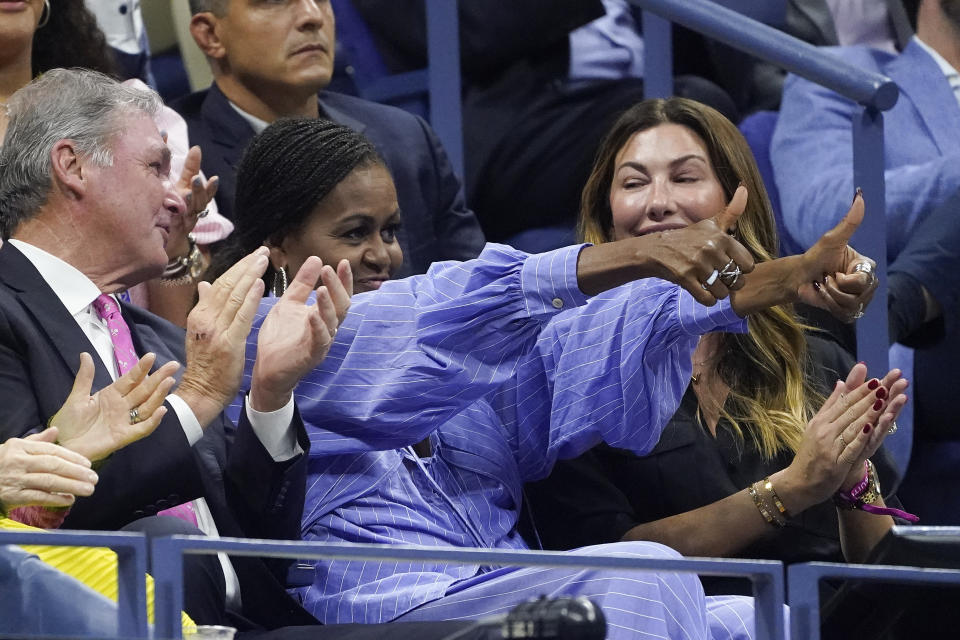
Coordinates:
[97,425]
[217,330]
[295,337]
[34,471]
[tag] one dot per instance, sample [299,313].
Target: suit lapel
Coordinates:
[227,127]
[329,109]
[933,101]
[39,300]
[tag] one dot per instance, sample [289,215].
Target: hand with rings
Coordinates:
[848,429]
[198,193]
[703,258]
[129,409]
[840,280]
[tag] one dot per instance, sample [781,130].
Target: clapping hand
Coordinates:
[35,471]
[849,428]
[295,336]
[216,341]
[893,402]
[129,409]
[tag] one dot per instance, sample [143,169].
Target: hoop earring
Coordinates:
[45,15]
[279,281]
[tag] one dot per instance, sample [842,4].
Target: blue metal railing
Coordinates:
[875,93]
[804,581]
[131,550]
[439,82]
[766,575]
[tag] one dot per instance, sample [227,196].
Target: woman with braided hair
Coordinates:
[330,195]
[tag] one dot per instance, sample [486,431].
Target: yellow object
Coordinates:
[95,567]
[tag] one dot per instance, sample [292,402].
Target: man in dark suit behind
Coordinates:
[273,59]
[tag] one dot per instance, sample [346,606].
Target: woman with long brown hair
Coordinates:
[746,455]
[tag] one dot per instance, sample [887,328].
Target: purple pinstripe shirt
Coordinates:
[477,357]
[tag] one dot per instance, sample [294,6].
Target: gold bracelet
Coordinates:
[762,507]
[776,499]
[872,494]
[770,514]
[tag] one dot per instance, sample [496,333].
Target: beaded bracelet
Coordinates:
[865,494]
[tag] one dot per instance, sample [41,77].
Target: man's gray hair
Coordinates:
[76,104]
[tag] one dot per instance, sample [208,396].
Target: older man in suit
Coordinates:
[274,59]
[86,201]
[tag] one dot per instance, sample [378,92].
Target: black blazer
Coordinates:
[436,222]
[248,493]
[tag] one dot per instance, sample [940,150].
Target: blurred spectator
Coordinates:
[543,81]
[272,60]
[922,176]
[37,36]
[122,23]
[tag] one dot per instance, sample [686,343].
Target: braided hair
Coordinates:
[284,174]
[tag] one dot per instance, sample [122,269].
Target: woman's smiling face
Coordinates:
[663,179]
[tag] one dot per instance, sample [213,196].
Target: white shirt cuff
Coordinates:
[274,430]
[191,426]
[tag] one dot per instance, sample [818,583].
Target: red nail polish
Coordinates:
[862,362]
[877,405]
[873,384]
[882,393]
[867,427]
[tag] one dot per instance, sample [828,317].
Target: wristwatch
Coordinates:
[187,268]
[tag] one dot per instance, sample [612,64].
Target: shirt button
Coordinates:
[557,303]
[123,9]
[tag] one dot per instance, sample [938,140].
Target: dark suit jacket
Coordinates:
[248,493]
[436,222]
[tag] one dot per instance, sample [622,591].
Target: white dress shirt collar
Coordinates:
[75,290]
[255,122]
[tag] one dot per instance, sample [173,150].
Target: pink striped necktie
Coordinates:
[126,356]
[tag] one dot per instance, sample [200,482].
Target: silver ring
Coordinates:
[728,277]
[842,441]
[135,415]
[867,268]
[893,428]
[859,313]
[204,213]
[713,278]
